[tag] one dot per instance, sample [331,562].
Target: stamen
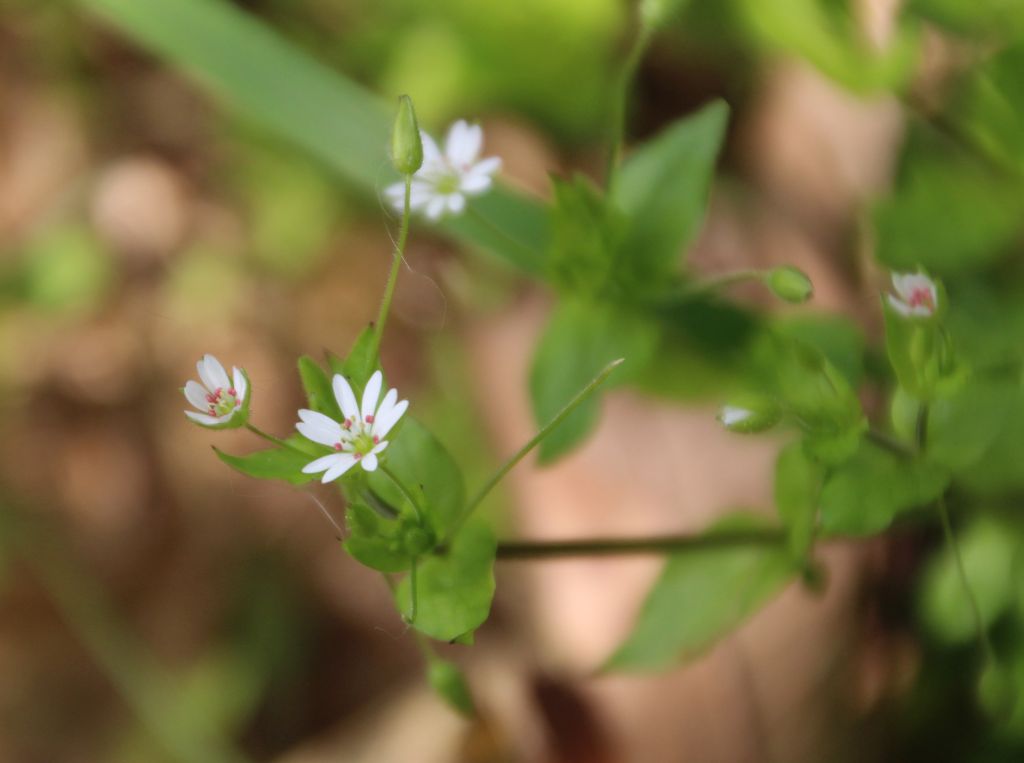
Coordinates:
[211,398]
[369,419]
[337,446]
[232,392]
[358,456]
[376,440]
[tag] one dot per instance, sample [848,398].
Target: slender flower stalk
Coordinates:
[396,262]
[620,103]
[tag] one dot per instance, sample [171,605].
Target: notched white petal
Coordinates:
[345,462]
[346,397]
[322,463]
[371,394]
[385,422]
[196,394]
[369,462]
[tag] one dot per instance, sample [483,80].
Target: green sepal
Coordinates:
[447,680]
[360,363]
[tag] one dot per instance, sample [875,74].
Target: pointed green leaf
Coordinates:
[273,463]
[663,190]
[318,388]
[797,487]
[701,595]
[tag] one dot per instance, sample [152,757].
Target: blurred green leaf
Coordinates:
[962,427]
[988,549]
[273,463]
[282,89]
[454,589]
[838,338]
[582,338]
[991,108]
[999,470]
[663,191]
[828,36]
[447,680]
[584,236]
[948,213]
[66,269]
[798,483]
[1002,18]
[427,470]
[702,595]
[866,493]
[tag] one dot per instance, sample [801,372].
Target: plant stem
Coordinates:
[620,101]
[412,594]
[537,550]
[518,456]
[396,261]
[921,427]
[270,438]
[403,490]
[954,547]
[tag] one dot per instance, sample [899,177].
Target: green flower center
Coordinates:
[222,402]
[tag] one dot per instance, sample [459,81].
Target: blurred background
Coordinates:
[155,606]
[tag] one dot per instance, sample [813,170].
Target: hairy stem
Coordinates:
[520,454]
[539,550]
[620,102]
[396,261]
[270,438]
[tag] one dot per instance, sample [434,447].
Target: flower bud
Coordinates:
[789,284]
[750,416]
[406,145]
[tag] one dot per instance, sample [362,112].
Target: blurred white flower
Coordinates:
[360,437]
[916,295]
[222,401]
[441,185]
[731,415]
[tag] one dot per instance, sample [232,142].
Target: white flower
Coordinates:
[223,401]
[360,437]
[443,182]
[731,415]
[916,295]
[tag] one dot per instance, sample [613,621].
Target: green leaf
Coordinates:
[318,388]
[273,463]
[584,234]
[797,488]
[988,549]
[866,493]
[375,541]
[263,78]
[447,680]
[360,363]
[702,595]
[962,427]
[427,470]
[917,226]
[838,338]
[580,340]
[663,190]
[999,469]
[454,590]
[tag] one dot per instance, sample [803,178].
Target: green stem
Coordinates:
[270,438]
[620,102]
[520,454]
[954,547]
[412,593]
[404,491]
[396,261]
[921,427]
[534,550]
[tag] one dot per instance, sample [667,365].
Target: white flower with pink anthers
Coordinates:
[360,437]
[916,295]
[444,180]
[222,401]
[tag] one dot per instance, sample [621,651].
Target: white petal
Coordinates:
[215,373]
[487,166]
[322,463]
[371,394]
[241,385]
[345,462]
[435,208]
[386,405]
[456,203]
[386,421]
[196,394]
[732,414]
[395,194]
[346,397]
[462,146]
[378,448]
[369,462]
[319,428]
[420,194]
[474,184]
[899,305]
[431,153]
[202,418]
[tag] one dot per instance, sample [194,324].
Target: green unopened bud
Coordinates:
[790,284]
[749,416]
[406,146]
[446,679]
